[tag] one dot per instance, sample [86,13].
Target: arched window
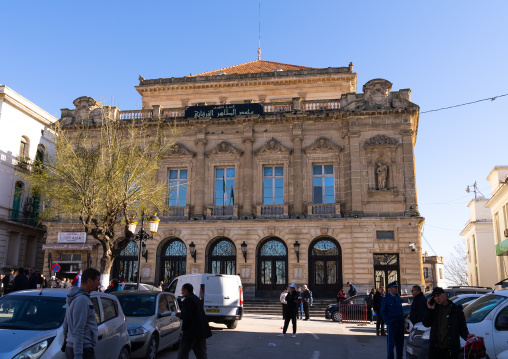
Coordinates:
[24,149]
[272,267]
[325,267]
[125,266]
[173,259]
[222,258]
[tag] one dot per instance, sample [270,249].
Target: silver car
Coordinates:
[152,321]
[31,325]
[142,286]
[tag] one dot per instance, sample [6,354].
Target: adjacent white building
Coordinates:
[498,205]
[433,272]
[478,234]
[24,139]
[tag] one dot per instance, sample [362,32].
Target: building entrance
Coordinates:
[272,263]
[325,268]
[125,266]
[173,260]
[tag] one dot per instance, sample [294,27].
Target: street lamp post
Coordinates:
[143,236]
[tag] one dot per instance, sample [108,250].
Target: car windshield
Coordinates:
[31,313]
[480,308]
[136,305]
[464,300]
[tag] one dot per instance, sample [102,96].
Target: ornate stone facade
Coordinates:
[325,171]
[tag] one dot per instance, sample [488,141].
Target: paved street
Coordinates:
[318,338]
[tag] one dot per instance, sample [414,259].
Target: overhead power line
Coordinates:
[464,104]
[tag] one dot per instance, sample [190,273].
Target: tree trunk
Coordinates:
[106,264]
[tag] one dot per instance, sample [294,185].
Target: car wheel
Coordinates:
[151,351]
[124,354]
[232,324]
[406,326]
[337,316]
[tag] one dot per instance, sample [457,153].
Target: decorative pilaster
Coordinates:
[199,177]
[248,173]
[355,173]
[297,171]
[408,160]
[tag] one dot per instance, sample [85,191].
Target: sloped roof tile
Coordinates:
[252,67]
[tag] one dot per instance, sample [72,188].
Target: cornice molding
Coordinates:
[26,109]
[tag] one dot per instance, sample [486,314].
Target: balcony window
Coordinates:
[273,185]
[224,186]
[177,188]
[323,188]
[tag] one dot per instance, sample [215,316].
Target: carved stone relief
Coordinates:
[273,147]
[179,150]
[323,145]
[382,174]
[381,140]
[225,148]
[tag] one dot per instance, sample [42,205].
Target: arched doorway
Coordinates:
[325,267]
[222,256]
[272,264]
[125,266]
[173,260]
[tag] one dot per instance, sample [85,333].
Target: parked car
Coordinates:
[465,299]
[351,308]
[221,295]
[142,286]
[466,289]
[152,321]
[31,325]
[486,316]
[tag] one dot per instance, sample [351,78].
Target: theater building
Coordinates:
[281,174]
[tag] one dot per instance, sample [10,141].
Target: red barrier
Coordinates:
[353,313]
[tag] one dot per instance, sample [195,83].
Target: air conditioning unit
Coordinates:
[506,233]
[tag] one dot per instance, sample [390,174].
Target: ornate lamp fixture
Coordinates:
[244,250]
[297,251]
[192,248]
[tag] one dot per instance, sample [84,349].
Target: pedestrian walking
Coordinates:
[76,282]
[341,296]
[44,282]
[306,299]
[369,300]
[59,283]
[291,310]
[376,306]
[195,329]
[352,290]
[114,286]
[34,278]
[80,326]
[419,305]
[52,282]
[447,325]
[299,315]
[282,299]
[21,281]
[7,281]
[391,310]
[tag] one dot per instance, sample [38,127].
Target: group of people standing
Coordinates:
[445,318]
[295,303]
[21,279]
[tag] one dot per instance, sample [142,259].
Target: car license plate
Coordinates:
[213,310]
[409,350]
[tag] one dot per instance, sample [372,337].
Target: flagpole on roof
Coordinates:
[259,39]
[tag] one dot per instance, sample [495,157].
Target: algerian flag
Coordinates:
[232,196]
[224,194]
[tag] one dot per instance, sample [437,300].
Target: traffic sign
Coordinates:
[56,267]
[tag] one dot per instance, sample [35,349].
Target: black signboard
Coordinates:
[220,111]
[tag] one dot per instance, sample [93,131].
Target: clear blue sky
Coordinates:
[447,53]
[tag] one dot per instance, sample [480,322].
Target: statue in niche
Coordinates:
[382,172]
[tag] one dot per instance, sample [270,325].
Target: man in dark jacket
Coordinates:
[352,289]
[195,327]
[391,310]
[21,281]
[291,310]
[447,325]
[419,305]
[34,279]
[376,305]
[7,281]
[306,297]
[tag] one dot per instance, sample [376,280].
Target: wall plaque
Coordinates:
[219,111]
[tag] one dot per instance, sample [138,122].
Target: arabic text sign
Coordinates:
[71,237]
[219,111]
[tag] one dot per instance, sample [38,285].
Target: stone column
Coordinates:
[199,178]
[408,160]
[297,172]
[248,173]
[355,173]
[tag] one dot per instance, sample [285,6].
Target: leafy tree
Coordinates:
[104,176]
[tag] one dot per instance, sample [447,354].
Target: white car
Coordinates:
[31,325]
[142,286]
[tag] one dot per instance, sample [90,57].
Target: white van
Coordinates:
[221,295]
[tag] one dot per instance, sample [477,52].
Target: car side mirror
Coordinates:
[165,313]
[178,313]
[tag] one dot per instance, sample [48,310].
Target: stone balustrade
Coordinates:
[222,212]
[324,210]
[272,211]
[176,213]
[135,114]
[321,105]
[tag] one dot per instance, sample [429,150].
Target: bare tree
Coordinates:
[104,175]
[455,265]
